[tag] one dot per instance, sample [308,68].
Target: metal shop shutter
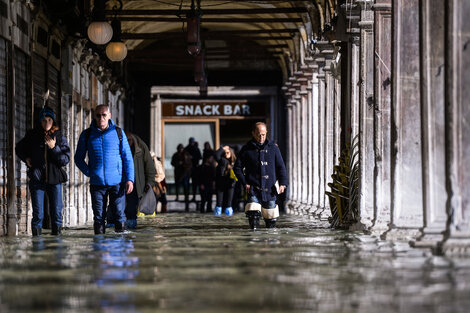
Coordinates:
[22,111]
[39,82]
[3,134]
[54,90]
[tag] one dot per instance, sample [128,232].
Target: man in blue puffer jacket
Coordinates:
[110,168]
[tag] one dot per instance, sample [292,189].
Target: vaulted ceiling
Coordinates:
[245,40]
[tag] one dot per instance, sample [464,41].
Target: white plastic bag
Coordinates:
[147,203]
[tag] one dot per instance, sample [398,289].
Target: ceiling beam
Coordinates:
[209,20]
[209,11]
[209,50]
[162,36]
[158,51]
[210,34]
[184,54]
[189,62]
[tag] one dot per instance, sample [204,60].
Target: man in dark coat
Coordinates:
[193,149]
[258,167]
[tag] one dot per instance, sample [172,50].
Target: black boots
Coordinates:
[37,231]
[56,230]
[119,227]
[99,229]
[270,223]
[253,219]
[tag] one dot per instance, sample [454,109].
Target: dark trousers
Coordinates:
[99,202]
[162,199]
[206,198]
[54,194]
[225,196]
[185,182]
[194,184]
[132,202]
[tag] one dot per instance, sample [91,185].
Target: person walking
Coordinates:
[181,161]
[193,150]
[110,168]
[160,184]
[144,175]
[258,167]
[206,183]
[207,151]
[225,180]
[45,151]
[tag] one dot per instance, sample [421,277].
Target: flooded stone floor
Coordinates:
[190,262]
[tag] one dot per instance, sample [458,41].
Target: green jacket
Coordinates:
[143,166]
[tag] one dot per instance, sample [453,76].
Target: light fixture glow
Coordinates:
[100,33]
[116,51]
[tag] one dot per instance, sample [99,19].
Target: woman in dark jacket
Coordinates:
[45,151]
[225,180]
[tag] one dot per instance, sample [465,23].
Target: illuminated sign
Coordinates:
[213,109]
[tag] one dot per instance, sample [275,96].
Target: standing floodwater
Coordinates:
[187,262]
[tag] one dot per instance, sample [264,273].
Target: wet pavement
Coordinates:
[190,262]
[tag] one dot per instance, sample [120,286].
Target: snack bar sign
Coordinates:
[212,109]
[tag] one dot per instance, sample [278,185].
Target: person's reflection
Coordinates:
[51,249]
[117,266]
[116,262]
[38,243]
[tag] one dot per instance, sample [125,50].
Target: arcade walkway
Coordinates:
[189,262]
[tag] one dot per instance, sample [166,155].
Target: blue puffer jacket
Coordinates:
[110,162]
[260,166]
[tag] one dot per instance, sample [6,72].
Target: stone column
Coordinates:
[294,154]
[307,84]
[354,85]
[366,114]
[406,161]
[298,143]
[321,136]
[433,49]
[288,111]
[382,118]
[156,125]
[336,118]
[302,97]
[314,106]
[457,113]
[327,51]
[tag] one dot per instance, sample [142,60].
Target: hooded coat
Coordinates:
[46,163]
[144,168]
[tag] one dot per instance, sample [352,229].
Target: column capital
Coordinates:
[352,13]
[365,4]
[385,5]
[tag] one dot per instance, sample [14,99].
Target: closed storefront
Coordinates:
[3,135]
[53,79]
[22,124]
[39,81]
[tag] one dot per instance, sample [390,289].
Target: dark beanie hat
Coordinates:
[46,111]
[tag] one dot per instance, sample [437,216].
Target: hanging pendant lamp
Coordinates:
[99,31]
[193,21]
[116,50]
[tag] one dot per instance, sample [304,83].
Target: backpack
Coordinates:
[88,133]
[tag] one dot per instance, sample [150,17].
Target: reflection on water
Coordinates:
[200,263]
